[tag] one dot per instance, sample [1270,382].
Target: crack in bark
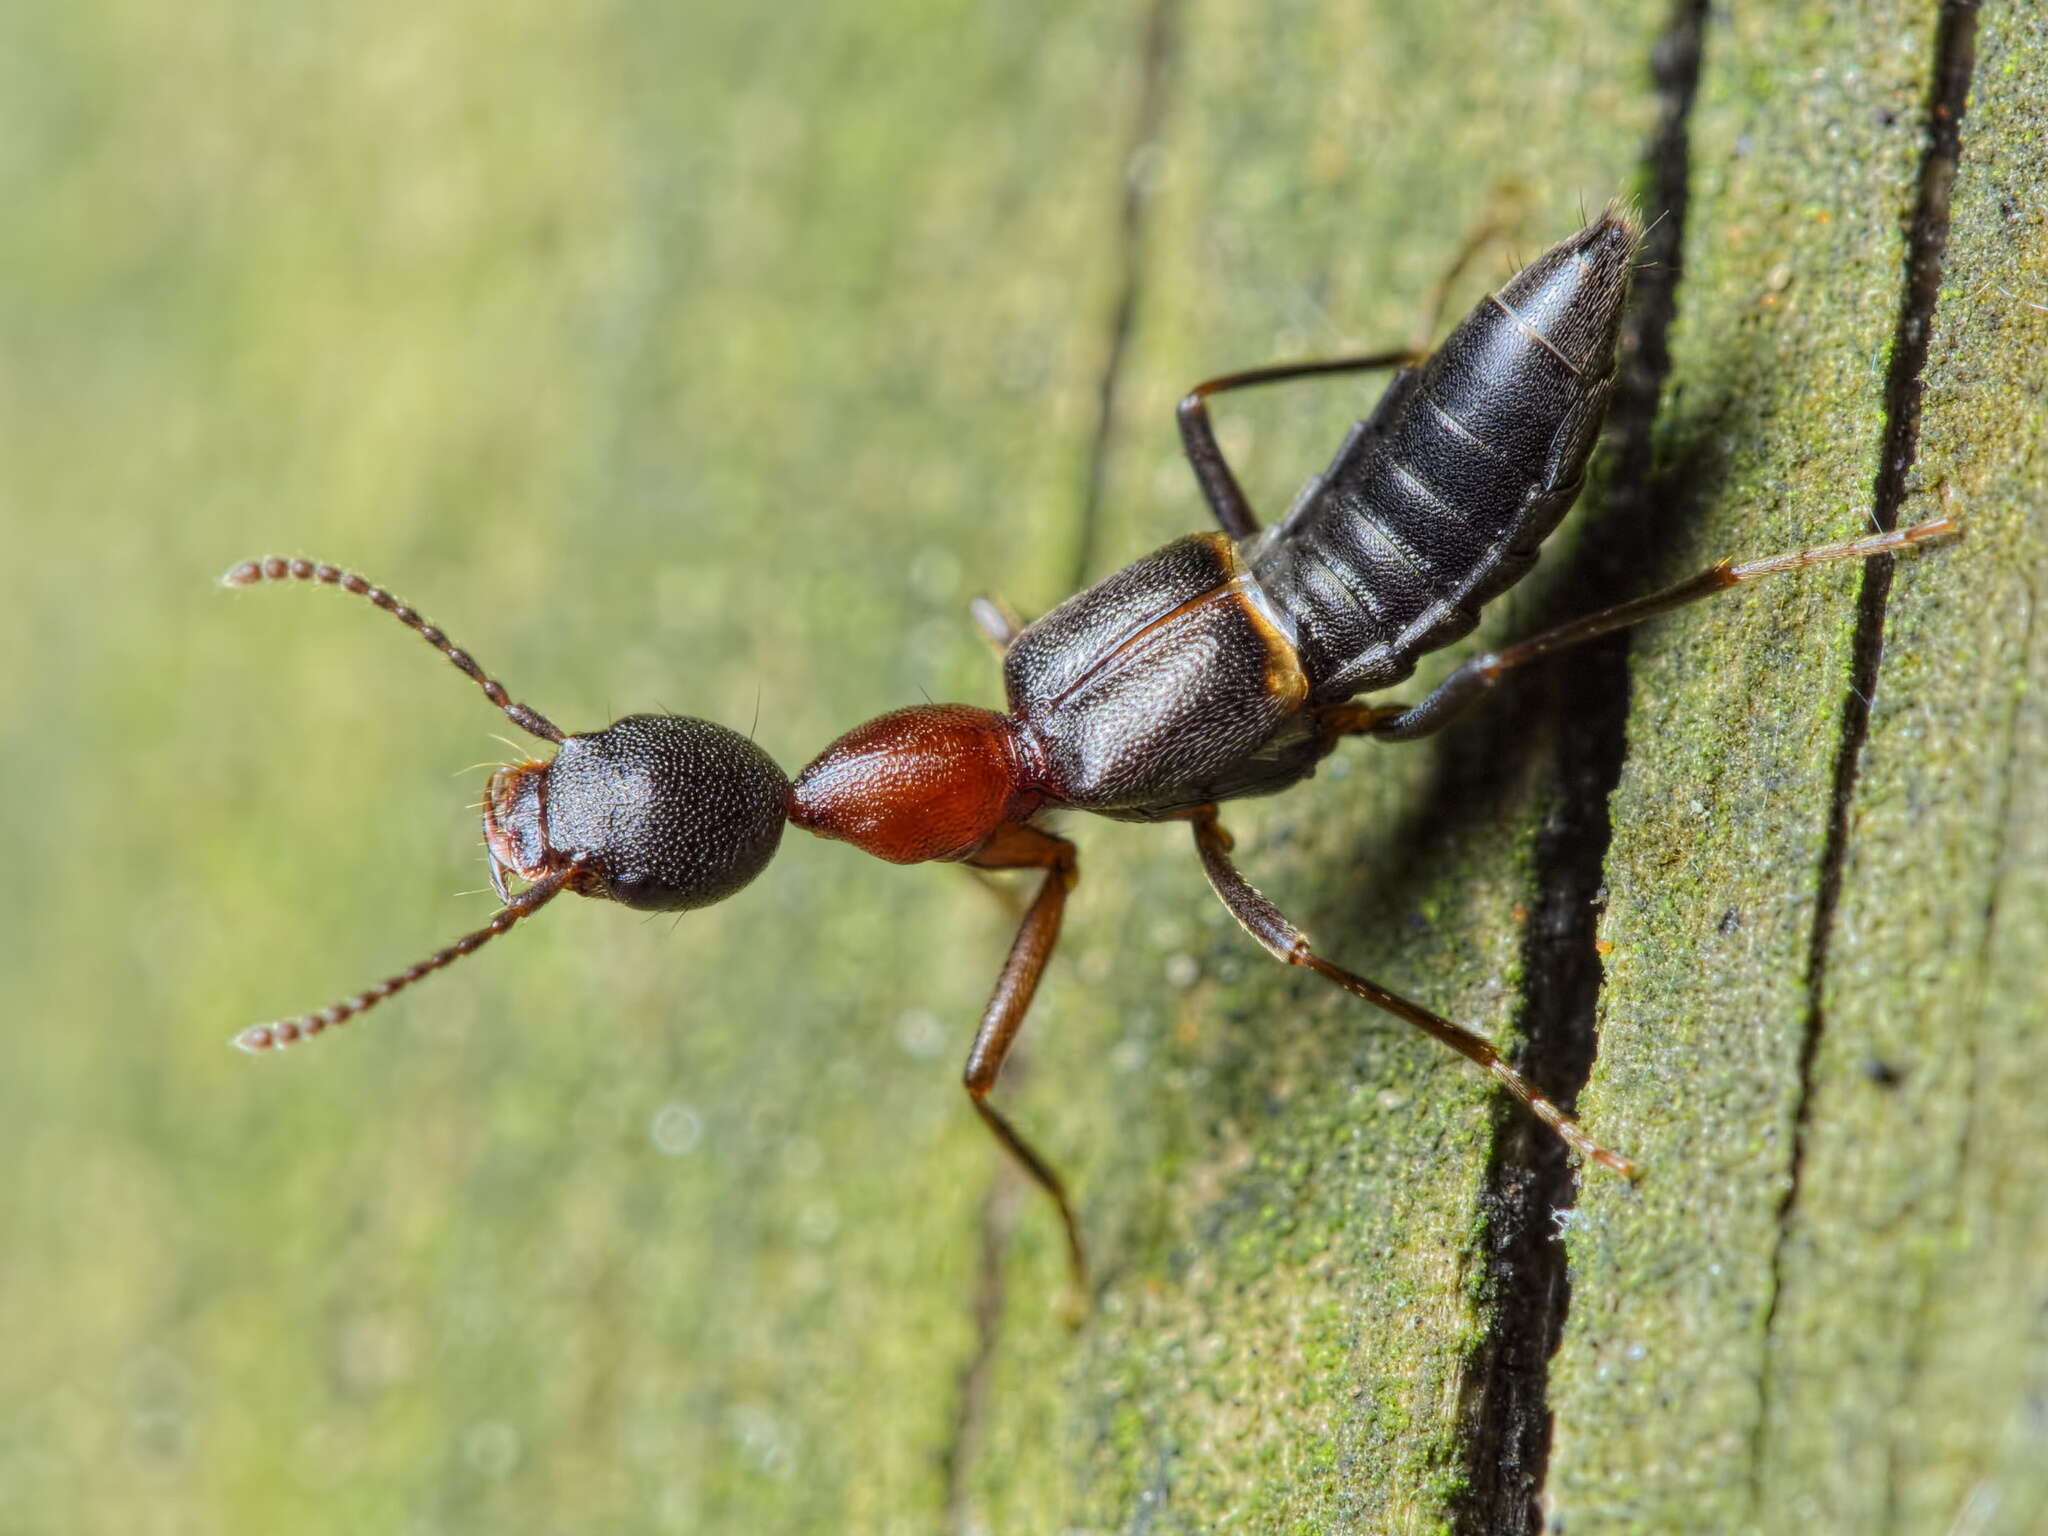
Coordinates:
[1926,247]
[1161,32]
[998,1218]
[1507,1418]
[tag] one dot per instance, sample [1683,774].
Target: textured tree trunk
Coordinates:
[1762,879]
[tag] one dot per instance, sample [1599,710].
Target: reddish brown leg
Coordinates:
[1336,721]
[1262,920]
[1464,687]
[1021,847]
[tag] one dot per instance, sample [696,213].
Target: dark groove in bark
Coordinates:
[998,1216]
[1507,1419]
[1926,246]
[1161,30]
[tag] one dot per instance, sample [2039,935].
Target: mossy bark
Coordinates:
[673,357]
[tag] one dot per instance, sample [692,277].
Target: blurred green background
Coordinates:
[633,344]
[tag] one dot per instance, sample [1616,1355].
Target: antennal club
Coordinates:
[283,1032]
[277,568]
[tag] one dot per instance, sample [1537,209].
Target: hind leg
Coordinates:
[1288,944]
[1225,496]
[1464,687]
[1219,484]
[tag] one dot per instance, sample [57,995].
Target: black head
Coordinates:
[657,812]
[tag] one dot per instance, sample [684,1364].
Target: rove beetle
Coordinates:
[1220,666]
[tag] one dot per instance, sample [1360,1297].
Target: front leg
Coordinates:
[1017,846]
[997,621]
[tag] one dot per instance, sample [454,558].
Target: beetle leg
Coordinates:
[1504,211]
[997,621]
[1219,484]
[1336,721]
[1022,847]
[1464,687]
[1225,496]
[1281,939]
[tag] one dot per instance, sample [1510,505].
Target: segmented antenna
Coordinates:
[276,568]
[283,1032]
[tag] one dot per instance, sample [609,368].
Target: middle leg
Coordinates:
[1287,943]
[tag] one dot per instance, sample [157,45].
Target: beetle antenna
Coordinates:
[276,568]
[283,1032]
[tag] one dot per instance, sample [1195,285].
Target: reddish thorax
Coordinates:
[931,782]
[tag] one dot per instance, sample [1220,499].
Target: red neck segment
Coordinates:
[931,782]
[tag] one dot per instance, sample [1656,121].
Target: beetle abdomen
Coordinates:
[1440,501]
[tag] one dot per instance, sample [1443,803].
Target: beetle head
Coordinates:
[658,812]
[662,813]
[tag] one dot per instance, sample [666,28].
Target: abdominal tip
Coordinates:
[1624,214]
